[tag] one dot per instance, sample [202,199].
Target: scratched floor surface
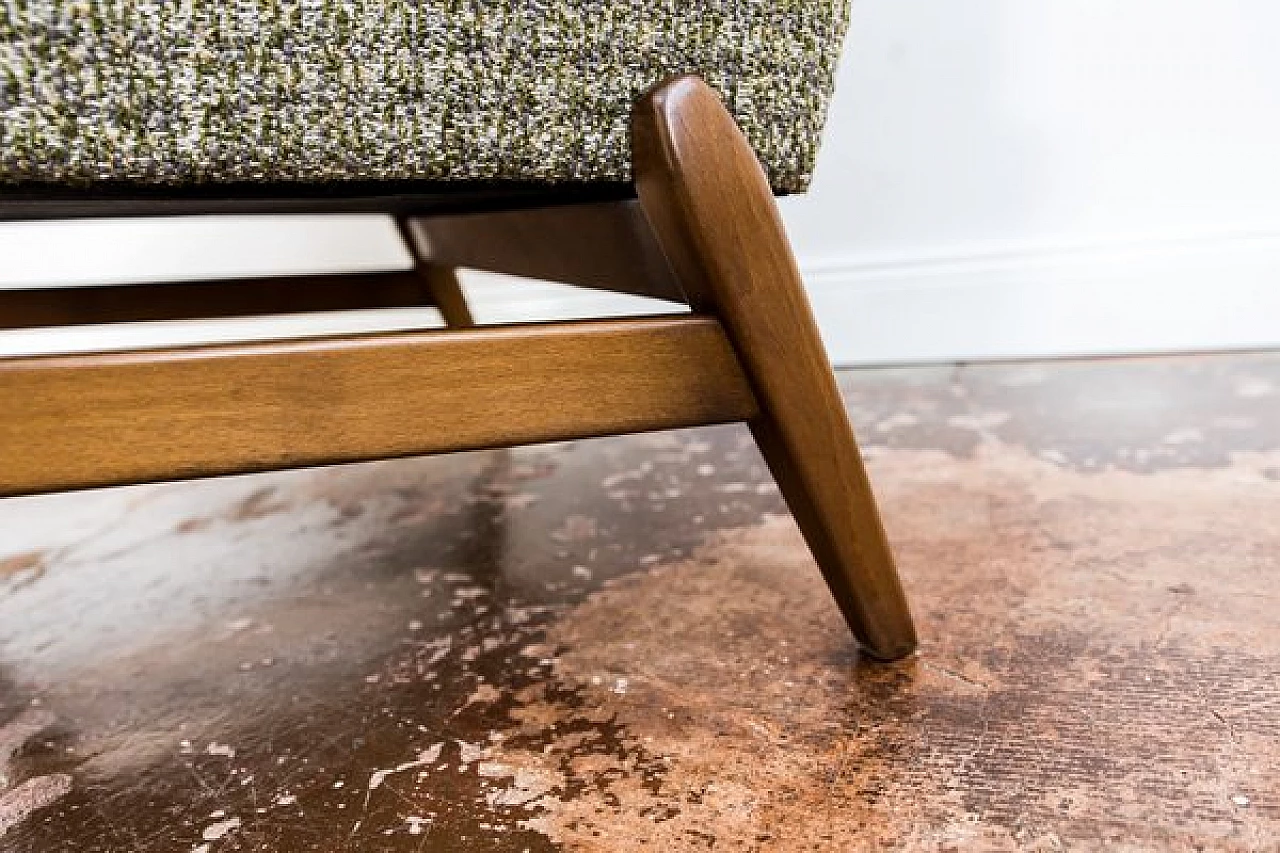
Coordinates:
[622,645]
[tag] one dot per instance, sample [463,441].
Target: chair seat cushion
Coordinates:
[183,92]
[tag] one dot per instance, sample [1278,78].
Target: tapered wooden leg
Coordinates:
[710,205]
[442,284]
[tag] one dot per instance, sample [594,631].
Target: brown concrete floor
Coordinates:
[622,644]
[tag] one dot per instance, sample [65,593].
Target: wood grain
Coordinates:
[709,202]
[80,421]
[70,306]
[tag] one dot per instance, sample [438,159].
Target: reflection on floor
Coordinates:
[623,645]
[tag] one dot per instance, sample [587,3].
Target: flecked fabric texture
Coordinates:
[179,92]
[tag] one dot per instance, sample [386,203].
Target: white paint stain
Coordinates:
[471,752]
[216,831]
[493,769]
[428,756]
[526,785]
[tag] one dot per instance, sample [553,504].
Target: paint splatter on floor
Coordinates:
[623,644]
[1102,673]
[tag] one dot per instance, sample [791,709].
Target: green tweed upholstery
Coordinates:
[183,92]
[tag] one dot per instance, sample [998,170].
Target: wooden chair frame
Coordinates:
[703,229]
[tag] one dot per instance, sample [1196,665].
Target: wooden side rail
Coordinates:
[608,246]
[81,421]
[128,303]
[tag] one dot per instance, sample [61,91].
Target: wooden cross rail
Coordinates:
[80,421]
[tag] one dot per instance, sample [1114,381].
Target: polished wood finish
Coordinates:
[709,203]
[69,306]
[608,246]
[93,420]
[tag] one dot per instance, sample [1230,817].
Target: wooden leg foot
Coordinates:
[710,205]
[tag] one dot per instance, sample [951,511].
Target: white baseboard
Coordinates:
[1184,293]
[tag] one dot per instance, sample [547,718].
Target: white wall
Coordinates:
[1014,177]
[999,124]
[1000,178]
